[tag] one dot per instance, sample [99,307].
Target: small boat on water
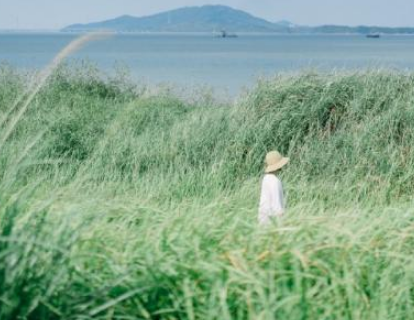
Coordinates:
[373,35]
[224,34]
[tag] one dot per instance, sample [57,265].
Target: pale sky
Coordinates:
[55,14]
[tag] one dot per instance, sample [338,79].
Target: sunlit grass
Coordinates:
[120,204]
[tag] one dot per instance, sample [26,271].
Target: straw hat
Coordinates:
[274,161]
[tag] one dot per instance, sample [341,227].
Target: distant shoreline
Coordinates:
[184,33]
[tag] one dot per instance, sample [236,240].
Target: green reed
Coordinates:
[118,203]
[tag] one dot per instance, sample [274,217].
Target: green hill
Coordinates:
[211,18]
[189,19]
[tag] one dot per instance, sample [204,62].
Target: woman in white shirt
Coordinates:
[272,202]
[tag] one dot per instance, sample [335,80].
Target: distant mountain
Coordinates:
[189,19]
[216,18]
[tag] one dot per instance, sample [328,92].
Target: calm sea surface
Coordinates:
[226,64]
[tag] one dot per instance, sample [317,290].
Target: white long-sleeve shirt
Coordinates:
[272,201]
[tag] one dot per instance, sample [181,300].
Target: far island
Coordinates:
[218,18]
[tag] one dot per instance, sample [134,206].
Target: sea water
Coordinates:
[230,64]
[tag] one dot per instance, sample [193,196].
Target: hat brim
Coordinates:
[277,166]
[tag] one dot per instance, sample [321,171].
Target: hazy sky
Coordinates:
[53,14]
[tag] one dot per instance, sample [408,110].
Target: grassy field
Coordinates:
[118,203]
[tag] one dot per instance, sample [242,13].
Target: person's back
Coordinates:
[272,202]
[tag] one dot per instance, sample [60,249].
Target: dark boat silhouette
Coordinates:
[224,34]
[373,35]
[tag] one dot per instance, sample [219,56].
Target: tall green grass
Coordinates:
[117,203]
